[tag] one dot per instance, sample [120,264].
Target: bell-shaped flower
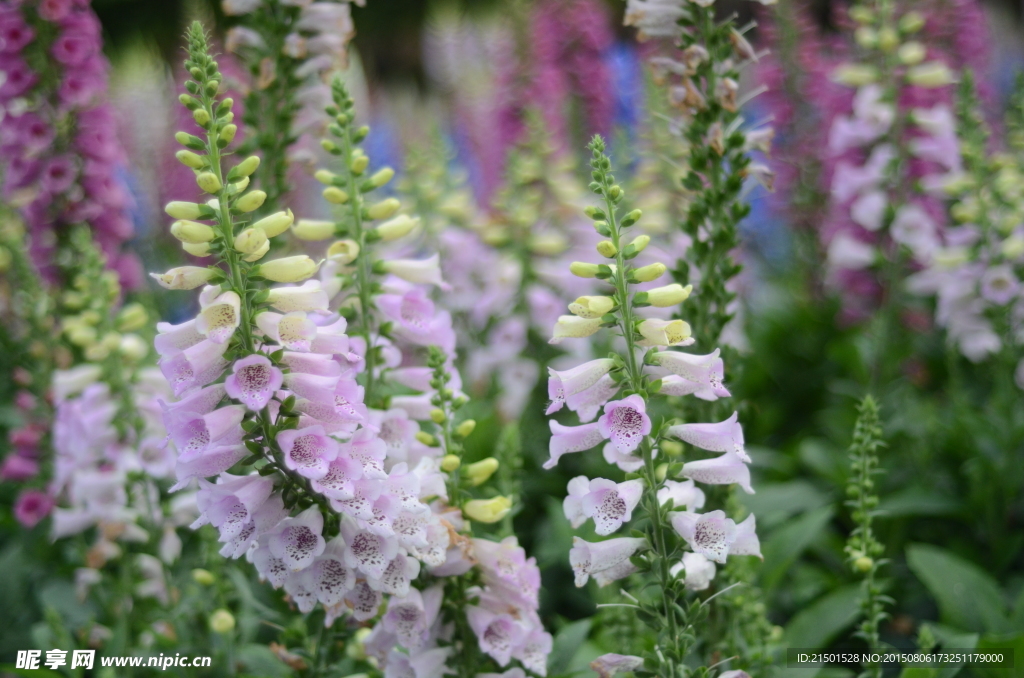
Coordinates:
[369,553]
[301,588]
[298,541]
[709,534]
[427,664]
[608,503]
[606,561]
[67,383]
[194,367]
[184,277]
[722,470]
[574,327]
[308,451]
[699,571]
[173,339]
[628,462]
[607,665]
[193,433]
[417,271]
[363,601]
[724,436]
[563,384]
[331,578]
[746,543]
[309,296]
[587,404]
[625,423]
[498,633]
[682,494]
[263,519]
[411,616]
[533,653]
[398,576]
[699,375]
[294,331]
[342,472]
[230,504]
[567,439]
[210,462]
[656,332]
[219,315]
[253,380]
[416,319]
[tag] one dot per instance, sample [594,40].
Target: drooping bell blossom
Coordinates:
[610,504]
[724,436]
[230,504]
[715,536]
[253,380]
[567,439]
[297,541]
[628,463]
[683,494]
[625,423]
[411,617]
[568,383]
[699,375]
[725,469]
[498,633]
[698,571]
[219,314]
[308,451]
[607,665]
[416,318]
[606,561]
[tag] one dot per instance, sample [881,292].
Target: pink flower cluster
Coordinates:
[58,181]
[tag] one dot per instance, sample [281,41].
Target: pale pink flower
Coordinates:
[610,504]
[253,380]
[566,383]
[682,494]
[298,541]
[726,469]
[724,436]
[606,560]
[607,665]
[567,439]
[709,534]
[625,423]
[308,451]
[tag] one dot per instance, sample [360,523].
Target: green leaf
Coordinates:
[567,643]
[824,619]
[30,673]
[785,544]
[916,501]
[775,503]
[991,643]
[968,597]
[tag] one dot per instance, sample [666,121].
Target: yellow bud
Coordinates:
[912,22]
[465,428]
[335,195]
[182,210]
[437,415]
[548,244]
[132,317]
[450,462]
[250,240]
[289,269]
[488,510]
[581,269]
[855,75]
[866,37]
[201,576]
[209,182]
[426,438]
[325,177]
[640,243]
[222,621]
[382,176]
[201,249]
[615,192]
[932,74]
[82,335]
[258,254]
[201,117]
[1013,247]
[606,248]
[227,135]
[669,295]
[248,166]
[275,224]
[862,14]
[481,471]
[863,564]
[649,272]
[398,227]
[190,159]
[239,185]
[591,307]
[660,472]
[133,347]
[657,332]
[888,39]
[343,251]
[911,53]
[672,448]
[313,229]
[252,200]
[358,164]
[192,232]
[96,353]
[383,209]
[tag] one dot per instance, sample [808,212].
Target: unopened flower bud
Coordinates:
[866,37]
[932,74]
[582,269]
[251,201]
[383,209]
[640,243]
[464,429]
[325,177]
[911,53]
[672,448]
[382,176]
[333,194]
[190,159]
[183,210]
[398,227]
[343,251]
[258,254]
[203,577]
[201,249]
[657,332]
[222,622]
[250,240]
[227,135]
[863,564]
[606,248]
[660,472]
[313,229]
[208,182]
[201,117]
[289,269]
[547,244]
[192,231]
[437,415]
[426,438]
[649,272]
[615,192]
[275,224]
[574,327]
[247,166]
[888,39]
[488,510]
[912,22]
[669,295]
[450,462]
[855,75]
[591,307]
[358,163]
[631,218]
[479,472]
[133,348]
[184,277]
[132,317]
